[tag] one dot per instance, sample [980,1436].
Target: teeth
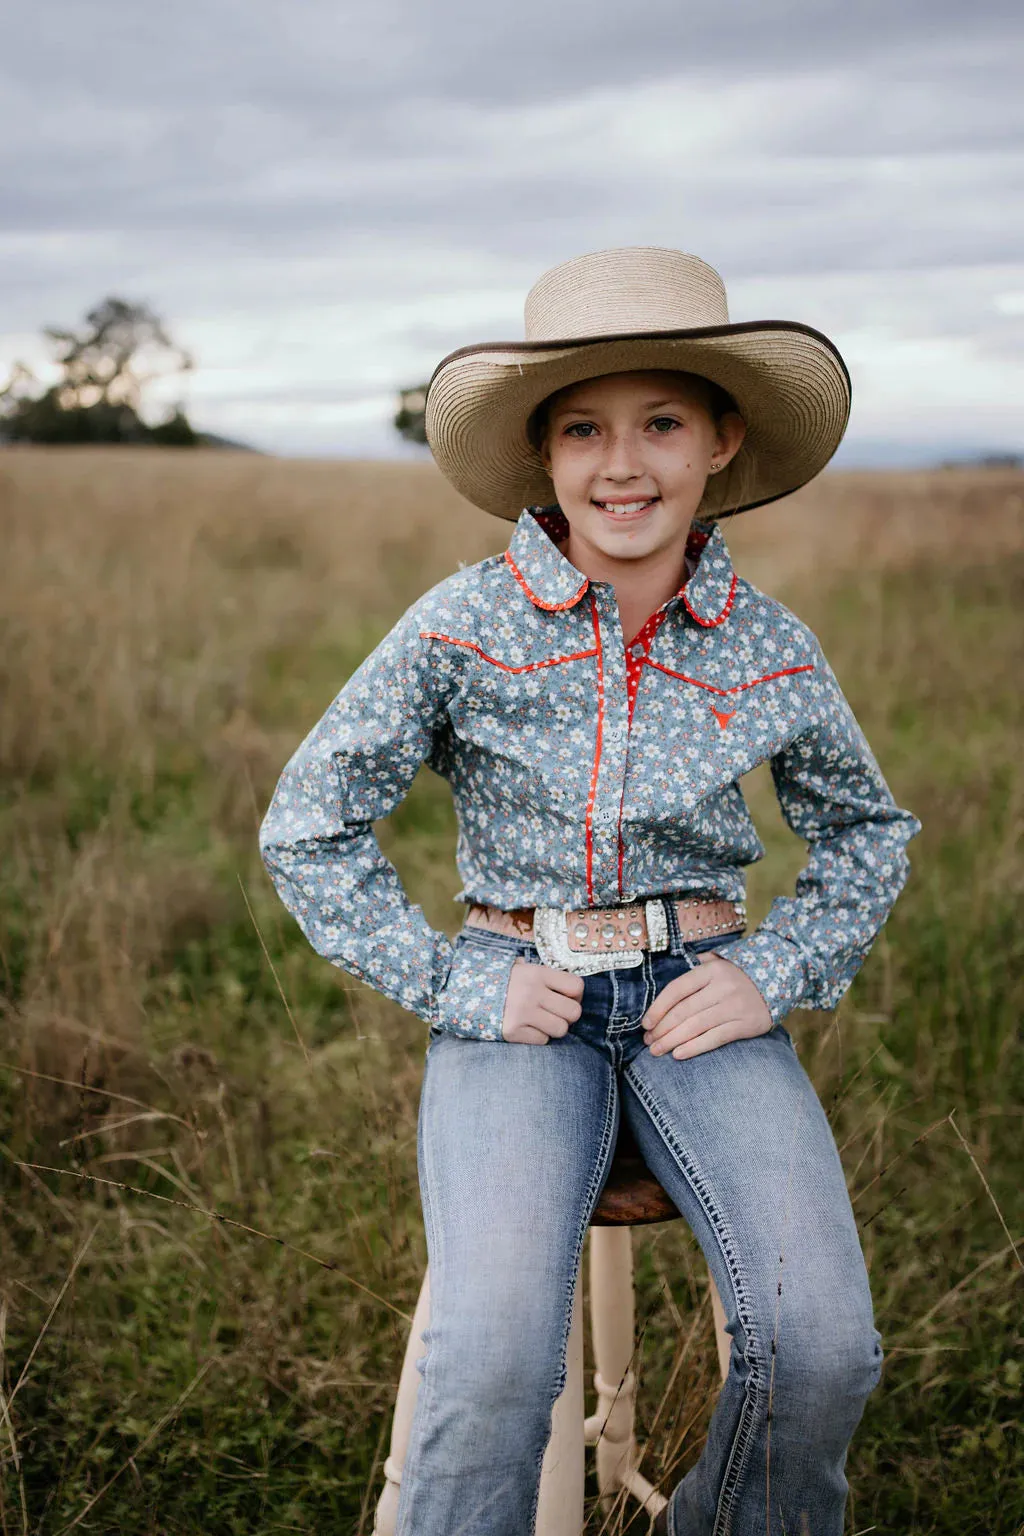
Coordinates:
[629,506]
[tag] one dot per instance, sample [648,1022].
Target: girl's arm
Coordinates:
[810,946]
[319,846]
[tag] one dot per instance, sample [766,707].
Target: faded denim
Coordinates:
[514,1145]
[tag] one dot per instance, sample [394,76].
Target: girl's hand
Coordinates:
[706,1007]
[540,1004]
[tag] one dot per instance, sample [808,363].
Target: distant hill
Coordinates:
[867,453]
[214,440]
[201,440]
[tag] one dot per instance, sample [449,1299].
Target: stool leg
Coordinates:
[612,1328]
[560,1504]
[401,1423]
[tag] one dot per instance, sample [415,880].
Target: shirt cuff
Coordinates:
[776,968]
[471,1002]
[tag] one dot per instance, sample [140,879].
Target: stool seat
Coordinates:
[632,1196]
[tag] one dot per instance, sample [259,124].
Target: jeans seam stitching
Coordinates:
[650,993]
[622,1026]
[613,1015]
[743,1438]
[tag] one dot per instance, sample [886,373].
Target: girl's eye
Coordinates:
[579,429]
[664,424]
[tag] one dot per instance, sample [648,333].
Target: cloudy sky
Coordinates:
[322,199]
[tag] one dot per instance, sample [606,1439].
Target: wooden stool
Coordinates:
[632,1197]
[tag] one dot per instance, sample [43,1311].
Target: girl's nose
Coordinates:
[621,461]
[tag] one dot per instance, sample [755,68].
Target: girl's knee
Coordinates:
[829,1366]
[494,1361]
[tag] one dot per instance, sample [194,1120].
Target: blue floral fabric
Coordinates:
[509,678]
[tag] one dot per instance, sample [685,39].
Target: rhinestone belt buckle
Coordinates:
[551,936]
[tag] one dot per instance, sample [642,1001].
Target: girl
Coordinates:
[593,696]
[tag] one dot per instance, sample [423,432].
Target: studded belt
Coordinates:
[589,939]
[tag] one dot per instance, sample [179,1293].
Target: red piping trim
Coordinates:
[622,849]
[529,666]
[740,687]
[597,752]
[710,623]
[550,607]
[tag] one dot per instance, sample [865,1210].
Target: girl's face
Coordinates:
[629,454]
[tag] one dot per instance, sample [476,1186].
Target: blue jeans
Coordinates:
[514,1145]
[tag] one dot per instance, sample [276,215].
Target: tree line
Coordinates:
[105,367]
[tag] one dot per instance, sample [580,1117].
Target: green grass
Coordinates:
[131,966]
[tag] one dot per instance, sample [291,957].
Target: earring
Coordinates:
[715,468]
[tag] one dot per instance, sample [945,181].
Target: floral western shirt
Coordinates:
[585,774]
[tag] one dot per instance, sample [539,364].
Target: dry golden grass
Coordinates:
[171,625]
[142,591]
[164,610]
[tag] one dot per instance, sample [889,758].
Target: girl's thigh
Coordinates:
[514,1143]
[740,1140]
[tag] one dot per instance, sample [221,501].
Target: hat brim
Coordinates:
[789,382]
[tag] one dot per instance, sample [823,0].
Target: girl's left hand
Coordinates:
[706,1007]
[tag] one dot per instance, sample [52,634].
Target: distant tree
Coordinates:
[985,461]
[123,348]
[1001,461]
[176,432]
[105,368]
[410,417]
[16,392]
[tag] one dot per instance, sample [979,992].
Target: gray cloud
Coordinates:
[405,171]
[268,50]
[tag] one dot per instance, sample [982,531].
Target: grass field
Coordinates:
[171,627]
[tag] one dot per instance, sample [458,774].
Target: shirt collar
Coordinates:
[709,594]
[549,580]
[552,582]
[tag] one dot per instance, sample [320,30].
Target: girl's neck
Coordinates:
[640,586]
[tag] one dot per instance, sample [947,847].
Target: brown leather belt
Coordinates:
[603,937]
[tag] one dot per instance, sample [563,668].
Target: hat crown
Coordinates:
[623,292]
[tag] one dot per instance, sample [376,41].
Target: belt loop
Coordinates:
[675,938]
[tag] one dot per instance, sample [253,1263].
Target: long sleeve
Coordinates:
[831,791]
[320,849]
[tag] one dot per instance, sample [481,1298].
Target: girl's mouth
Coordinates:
[626,511]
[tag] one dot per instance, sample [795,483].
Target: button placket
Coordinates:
[614,742]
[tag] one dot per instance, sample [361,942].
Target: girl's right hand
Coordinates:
[540,1004]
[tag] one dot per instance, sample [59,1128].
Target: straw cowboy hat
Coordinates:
[637,308]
